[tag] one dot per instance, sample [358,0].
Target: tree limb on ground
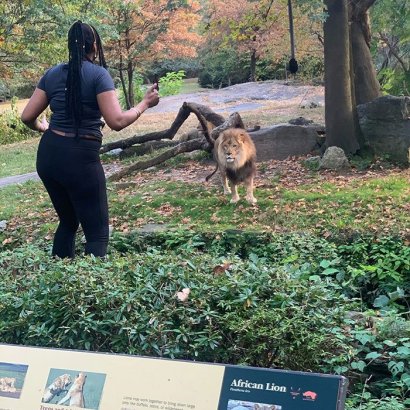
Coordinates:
[204,114]
[187,146]
[208,119]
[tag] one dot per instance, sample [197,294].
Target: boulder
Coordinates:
[385,124]
[3,225]
[284,140]
[334,158]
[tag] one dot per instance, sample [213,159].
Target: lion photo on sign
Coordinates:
[235,155]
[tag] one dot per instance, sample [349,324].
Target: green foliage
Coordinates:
[11,127]
[222,68]
[189,65]
[138,90]
[365,401]
[128,304]
[287,301]
[382,354]
[391,45]
[394,82]
[171,83]
[379,268]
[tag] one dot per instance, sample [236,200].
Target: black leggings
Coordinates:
[72,173]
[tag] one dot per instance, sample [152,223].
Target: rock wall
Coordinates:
[385,123]
[284,140]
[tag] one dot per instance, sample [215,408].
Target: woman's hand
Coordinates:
[151,97]
[43,124]
[113,115]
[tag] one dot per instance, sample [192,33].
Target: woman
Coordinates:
[68,160]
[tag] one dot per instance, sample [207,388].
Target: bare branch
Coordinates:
[188,146]
[234,121]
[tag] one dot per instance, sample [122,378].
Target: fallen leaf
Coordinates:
[220,269]
[184,294]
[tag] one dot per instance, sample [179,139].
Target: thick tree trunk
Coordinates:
[340,129]
[366,85]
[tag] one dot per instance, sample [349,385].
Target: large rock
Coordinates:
[284,140]
[385,123]
[334,158]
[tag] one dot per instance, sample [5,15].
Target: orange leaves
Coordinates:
[168,210]
[153,31]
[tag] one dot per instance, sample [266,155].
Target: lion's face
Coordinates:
[231,145]
[61,382]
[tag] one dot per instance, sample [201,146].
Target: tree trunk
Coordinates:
[123,83]
[130,73]
[366,85]
[252,74]
[340,130]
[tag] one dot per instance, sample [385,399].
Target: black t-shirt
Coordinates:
[94,80]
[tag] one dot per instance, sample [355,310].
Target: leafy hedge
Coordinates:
[11,127]
[288,301]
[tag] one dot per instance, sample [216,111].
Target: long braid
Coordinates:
[101,57]
[81,38]
[76,50]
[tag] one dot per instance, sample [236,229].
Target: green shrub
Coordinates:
[222,68]
[394,81]
[160,68]
[128,304]
[263,300]
[171,83]
[11,127]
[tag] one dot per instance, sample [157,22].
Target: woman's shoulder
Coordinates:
[94,68]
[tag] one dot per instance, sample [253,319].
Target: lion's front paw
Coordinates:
[234,199]
[252,200]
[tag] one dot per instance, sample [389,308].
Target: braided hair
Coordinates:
[81,38]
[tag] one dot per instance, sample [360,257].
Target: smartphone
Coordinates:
[156,81]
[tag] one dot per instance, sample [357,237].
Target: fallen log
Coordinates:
[187,146]
[205,115]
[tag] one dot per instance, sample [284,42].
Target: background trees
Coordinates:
[226,41]
[146,31]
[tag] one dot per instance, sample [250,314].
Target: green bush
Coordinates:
[266,300]
[11,127]
[394,81]
[128,304]
[159,69]
[171,83]
[222,68]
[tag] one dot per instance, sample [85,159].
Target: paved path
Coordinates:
[18,179]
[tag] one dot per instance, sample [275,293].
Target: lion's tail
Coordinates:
[207,178]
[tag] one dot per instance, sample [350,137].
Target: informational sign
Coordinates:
[53,379]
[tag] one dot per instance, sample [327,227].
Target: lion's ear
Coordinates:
[242,137]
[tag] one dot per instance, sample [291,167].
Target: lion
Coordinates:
[59,385]
[75,395]
[7,384]
[235,156]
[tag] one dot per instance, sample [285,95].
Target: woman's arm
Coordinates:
[113,115]
[36,105]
